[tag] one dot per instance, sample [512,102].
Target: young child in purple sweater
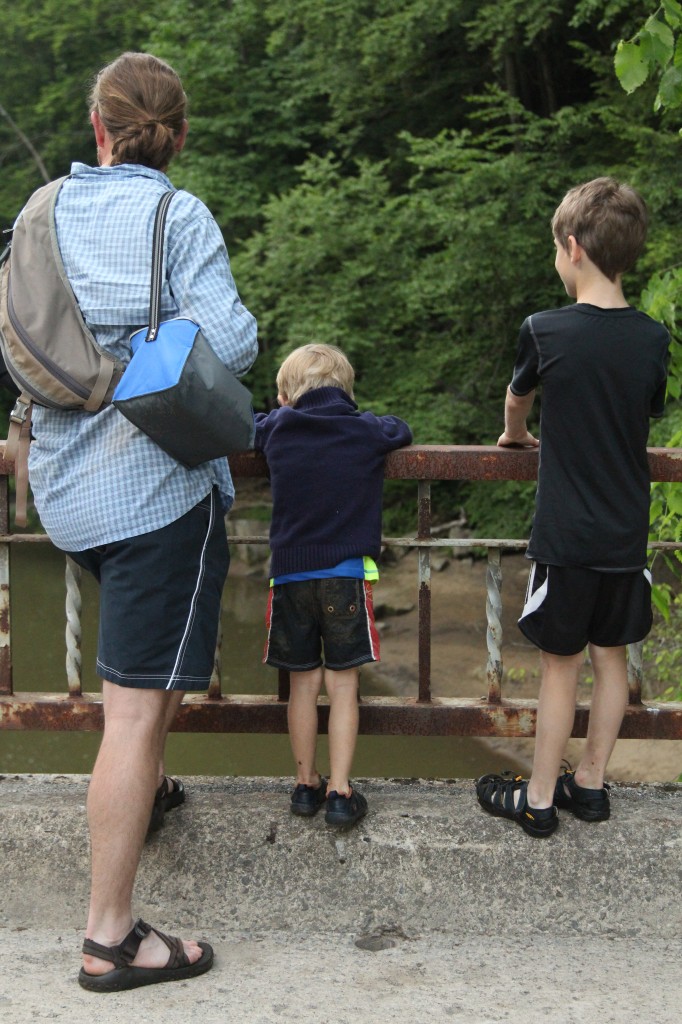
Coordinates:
[326,462]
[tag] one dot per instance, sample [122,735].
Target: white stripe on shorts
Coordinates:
[534,600]
[193,605]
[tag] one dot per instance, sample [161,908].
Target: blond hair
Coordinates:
[142,105]
[608,219]
[314,366]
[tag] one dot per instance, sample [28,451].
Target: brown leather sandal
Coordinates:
[124,976]
[165,801]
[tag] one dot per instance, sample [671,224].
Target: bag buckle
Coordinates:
[20,411]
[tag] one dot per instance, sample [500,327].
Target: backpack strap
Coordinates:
[108,365]
[16,451]
[106,372]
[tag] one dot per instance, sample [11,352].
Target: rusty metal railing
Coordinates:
[422,714]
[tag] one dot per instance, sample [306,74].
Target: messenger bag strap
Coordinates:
[106,372]
[157,266]
[16,451]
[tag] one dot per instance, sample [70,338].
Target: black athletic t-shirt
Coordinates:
[603,374]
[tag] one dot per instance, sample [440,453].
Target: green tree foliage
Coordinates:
[384,172]
[51,51]
[654,53]
[426,279]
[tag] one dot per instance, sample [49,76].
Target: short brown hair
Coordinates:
[608,219]
[314,366]
[141,103]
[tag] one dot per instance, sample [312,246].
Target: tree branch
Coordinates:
[27,142]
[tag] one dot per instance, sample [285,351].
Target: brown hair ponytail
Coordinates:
[142,105]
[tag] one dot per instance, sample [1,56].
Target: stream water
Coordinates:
[38,654]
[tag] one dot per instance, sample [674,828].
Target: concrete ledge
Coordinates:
[425,860]
[428,912]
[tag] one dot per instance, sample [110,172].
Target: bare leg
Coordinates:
[556,713]
[609,701]
[302,718]
[342,688]
[127,762]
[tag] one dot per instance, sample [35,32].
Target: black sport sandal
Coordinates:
[586,804]
[496,795]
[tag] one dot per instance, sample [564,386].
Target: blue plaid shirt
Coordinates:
[95,477]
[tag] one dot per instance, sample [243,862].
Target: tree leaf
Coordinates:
[673,13]
[675,500]
[657,42]
[670,88]
[632,70]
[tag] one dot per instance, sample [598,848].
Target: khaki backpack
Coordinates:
[48,350]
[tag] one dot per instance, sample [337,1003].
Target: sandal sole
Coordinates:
[124,978]
[340,822]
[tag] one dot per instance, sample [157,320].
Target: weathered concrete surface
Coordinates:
[483,923]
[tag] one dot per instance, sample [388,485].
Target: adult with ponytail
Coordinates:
[151,531]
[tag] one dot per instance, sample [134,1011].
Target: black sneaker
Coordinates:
[345,810]
[586,804]
[307,800]
[496,795]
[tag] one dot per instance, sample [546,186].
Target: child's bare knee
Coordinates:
[341,682]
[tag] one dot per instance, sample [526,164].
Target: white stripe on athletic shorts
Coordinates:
[195,595]
[534,600]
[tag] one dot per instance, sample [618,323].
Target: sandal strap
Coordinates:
[176,951]
[162,791]
[504,790]
[500,791]
[125,952]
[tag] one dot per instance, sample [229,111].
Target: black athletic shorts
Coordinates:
[160,601]
[308,617]
[566,608]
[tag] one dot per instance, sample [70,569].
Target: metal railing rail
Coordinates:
[422,714]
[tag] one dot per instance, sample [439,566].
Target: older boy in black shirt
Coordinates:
[602,367]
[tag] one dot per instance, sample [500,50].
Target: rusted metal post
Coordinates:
[424,533]
[283,685]
[5,625]
[5,632]
[493,611]
[73,628]
[635,673]
[215,686]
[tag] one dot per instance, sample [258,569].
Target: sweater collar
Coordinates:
[319,397]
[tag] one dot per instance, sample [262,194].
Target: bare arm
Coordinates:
[516,410]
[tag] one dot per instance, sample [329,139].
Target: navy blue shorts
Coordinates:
[159,603]
[566,608]
[315,622]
